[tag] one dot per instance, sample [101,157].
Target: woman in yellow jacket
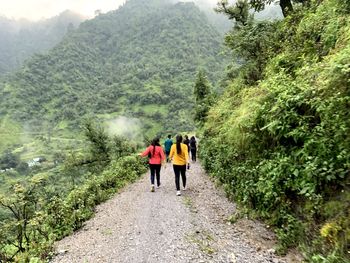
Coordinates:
[179,156]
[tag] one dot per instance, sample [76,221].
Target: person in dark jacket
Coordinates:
[193,147]
[187,142]
[167,146]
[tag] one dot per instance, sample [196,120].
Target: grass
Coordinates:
[203,240]
[152,108]
[10,133]
[107,232]
[189,203]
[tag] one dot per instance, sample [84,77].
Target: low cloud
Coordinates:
[38,9]
[125,126]
[200,3]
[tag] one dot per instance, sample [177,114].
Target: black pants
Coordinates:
[193,154]
[155,170]
[177,170]
[167,156]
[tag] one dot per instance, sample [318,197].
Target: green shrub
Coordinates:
[47,221]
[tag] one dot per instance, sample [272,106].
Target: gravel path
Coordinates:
[140,226]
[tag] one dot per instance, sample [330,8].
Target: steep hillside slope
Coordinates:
[280,142]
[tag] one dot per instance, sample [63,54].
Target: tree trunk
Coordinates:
[286,6]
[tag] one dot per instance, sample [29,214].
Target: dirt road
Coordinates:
[140,226]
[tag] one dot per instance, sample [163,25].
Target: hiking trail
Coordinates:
[137,226]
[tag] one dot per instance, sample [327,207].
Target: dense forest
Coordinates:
[20,39]
[279,137]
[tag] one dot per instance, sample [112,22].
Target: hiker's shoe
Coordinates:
[184,189]
[178,193]
[158,186]
[152,188]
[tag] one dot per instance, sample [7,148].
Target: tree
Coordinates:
[238,12]
[252,45]
[22,167]
[202,94]
[98,139]
[286,5]
[251,41]
[8,160]
[18,230]
[98,12]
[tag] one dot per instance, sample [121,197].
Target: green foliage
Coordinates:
[253,45]
[8,160]
[9,130]
[98,139]
[239,11]
[252,42]
[22,204]
[280,145]
[36,222]
[53,202]
[203,98]
[144,53]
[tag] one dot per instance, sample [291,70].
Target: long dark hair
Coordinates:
[155,142]
[178,144]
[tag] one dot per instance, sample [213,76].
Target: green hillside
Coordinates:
[279,138]
[138,61]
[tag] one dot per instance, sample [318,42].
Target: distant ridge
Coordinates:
[20,39]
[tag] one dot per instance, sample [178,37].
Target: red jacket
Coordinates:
[158,155]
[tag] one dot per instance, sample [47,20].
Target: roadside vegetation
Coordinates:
[279,137]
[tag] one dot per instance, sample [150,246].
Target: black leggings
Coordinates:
[177,170]
[155,169]
[193,154]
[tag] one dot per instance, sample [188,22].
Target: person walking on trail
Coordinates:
[179,155]
[167,146]
[187,142]
[156,157]
[193,147]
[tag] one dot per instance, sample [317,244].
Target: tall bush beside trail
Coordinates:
[305,125]
[281,148]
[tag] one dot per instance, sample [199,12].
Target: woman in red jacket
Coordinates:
[156,158]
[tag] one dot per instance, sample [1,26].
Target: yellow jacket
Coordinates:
[179,159]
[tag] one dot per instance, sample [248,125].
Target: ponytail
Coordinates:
[178,144]
[155,143]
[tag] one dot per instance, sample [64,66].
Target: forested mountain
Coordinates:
[19,39]
[138,61]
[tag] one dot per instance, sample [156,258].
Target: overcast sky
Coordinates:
[37,9]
